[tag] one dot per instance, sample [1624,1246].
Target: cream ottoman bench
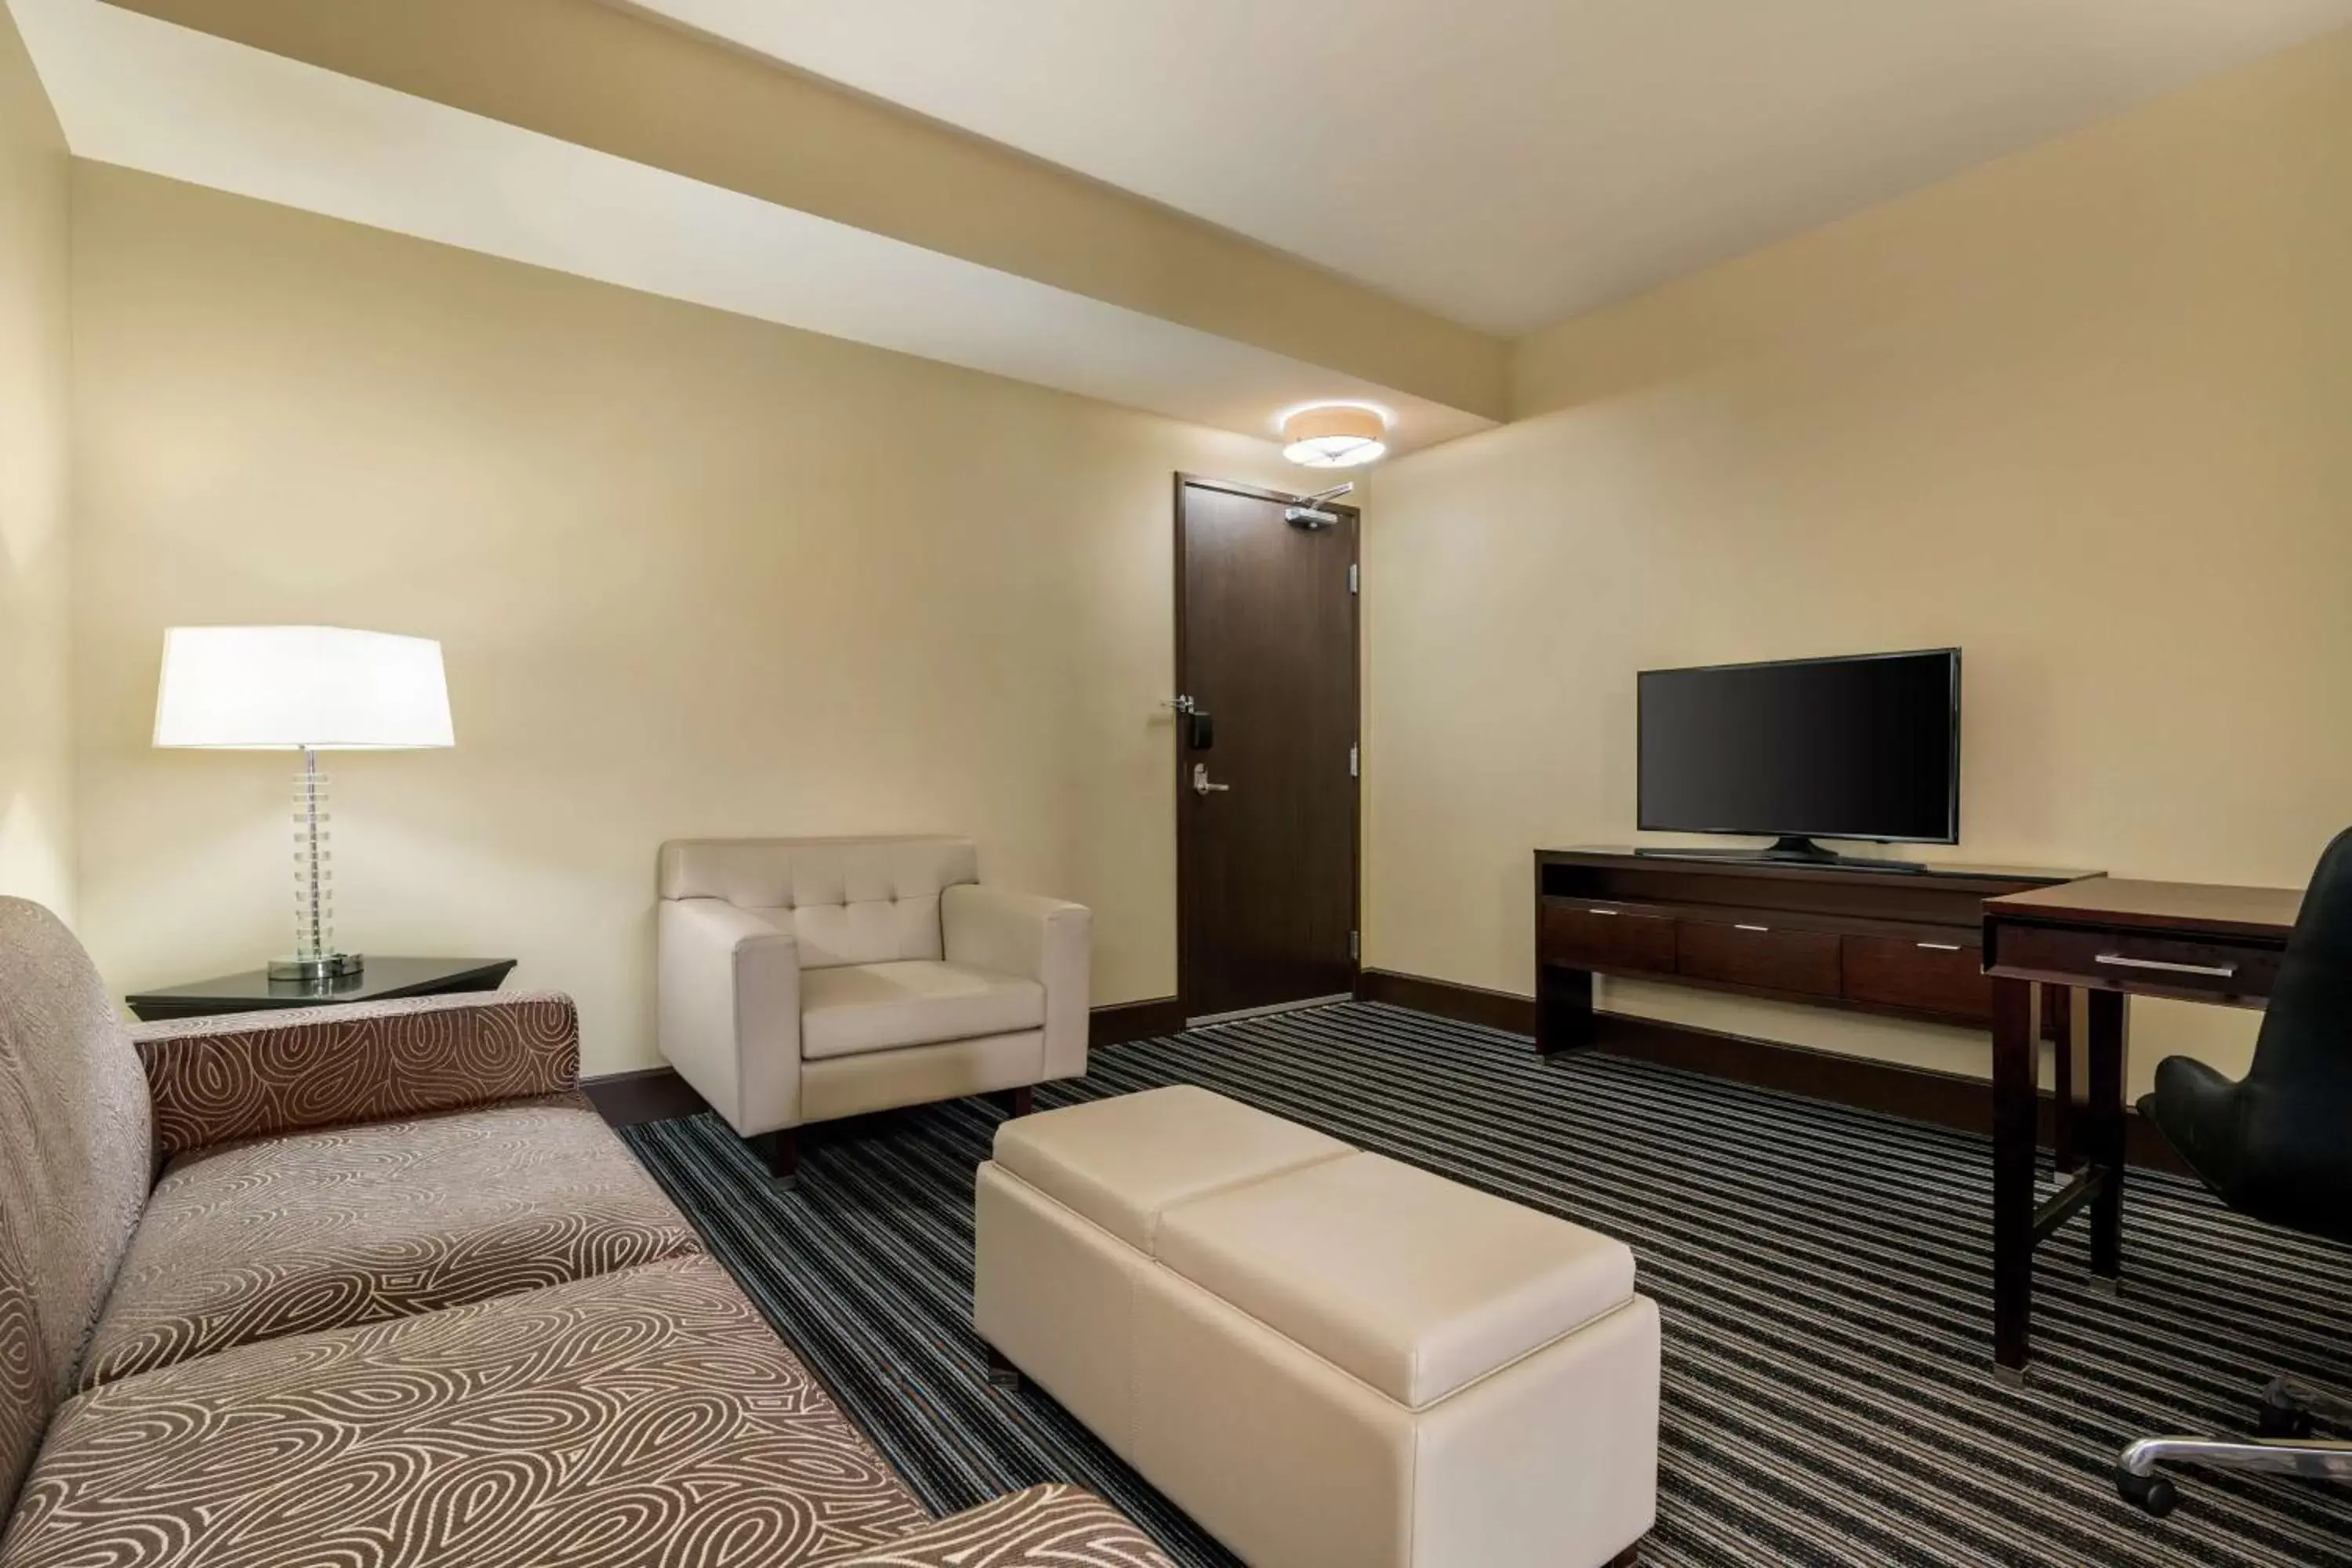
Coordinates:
[1328,1358]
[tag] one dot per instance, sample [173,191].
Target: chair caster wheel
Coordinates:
[2283,1418]
[2154,1494]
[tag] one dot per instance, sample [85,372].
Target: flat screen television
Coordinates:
[1866,747]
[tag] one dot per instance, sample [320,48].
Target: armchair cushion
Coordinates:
[1046,939]
[323,1230]
[253,1074]
[855,1008]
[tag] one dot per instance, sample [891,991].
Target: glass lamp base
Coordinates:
[332,966]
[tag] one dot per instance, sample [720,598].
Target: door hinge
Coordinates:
[1355,579]
[1355,761]
[1355,944]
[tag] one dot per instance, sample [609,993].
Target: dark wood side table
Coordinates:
[2100,942]
[383,979]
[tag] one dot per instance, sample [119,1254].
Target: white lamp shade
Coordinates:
[270,688]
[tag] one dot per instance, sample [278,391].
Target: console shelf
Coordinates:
[1906,943]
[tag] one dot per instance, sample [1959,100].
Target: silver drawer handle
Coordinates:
[2219,970]
[1601,911]
[1939,946]
[1750,927]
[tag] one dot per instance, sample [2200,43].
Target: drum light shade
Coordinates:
[1337,436]
[288,688]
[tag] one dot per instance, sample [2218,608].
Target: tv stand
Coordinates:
[1854,934]
[1789,849]
[1797,847]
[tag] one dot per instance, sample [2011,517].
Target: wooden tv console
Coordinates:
[1905,944]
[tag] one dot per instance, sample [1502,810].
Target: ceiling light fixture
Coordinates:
[1334,436]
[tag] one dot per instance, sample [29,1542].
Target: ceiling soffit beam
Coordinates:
[622,83]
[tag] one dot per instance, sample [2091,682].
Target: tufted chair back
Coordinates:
[849,901]
[77,1159]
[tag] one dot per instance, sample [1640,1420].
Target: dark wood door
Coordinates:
[1266,650]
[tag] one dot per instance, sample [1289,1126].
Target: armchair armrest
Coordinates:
[728,987]
[1049,1526]
[249,1075]
[1045,939]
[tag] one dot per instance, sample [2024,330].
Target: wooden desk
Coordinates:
[2099,940]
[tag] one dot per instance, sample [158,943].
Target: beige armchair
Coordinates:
[807,979]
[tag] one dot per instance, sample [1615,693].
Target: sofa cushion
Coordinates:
[323,1230]
[855,1008]
[74,1164]
[1049,1526]
[1121,1161]
[643,1417]
[1413,1284]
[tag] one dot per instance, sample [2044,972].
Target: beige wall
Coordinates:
[2086,412]
[644,88]
[692,574]
[36,745]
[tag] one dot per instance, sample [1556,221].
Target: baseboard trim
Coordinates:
[1463,1004]
[657,1094]
[1123,1021]
[648,1094]
[1920,1094]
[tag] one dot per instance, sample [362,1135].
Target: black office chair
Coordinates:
[2277,1146]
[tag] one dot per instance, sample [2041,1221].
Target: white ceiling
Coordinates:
[146,95]
[1511,163]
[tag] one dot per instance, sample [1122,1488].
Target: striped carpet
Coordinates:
[1824,1275]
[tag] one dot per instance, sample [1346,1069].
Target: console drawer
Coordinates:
[2219,967]
[1605,937]
[1945,977]
[1805,961]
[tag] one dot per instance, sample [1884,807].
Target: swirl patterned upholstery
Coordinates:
[400,1299]
[643,1417]
[1045,1527]
[323,1230]
[253,1074]
[74,1166]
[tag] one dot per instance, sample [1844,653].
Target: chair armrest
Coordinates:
[728,1001]
[1045,1527]
[1045,939]
[249,1075]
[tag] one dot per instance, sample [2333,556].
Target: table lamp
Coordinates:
[311,689]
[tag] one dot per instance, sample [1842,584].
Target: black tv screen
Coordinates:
[1834,748]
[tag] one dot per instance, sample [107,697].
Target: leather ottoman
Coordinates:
[1329,1359]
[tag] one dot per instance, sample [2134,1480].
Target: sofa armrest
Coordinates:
[728,1001]
[1045,939]
[249,1075]
[1050,1526]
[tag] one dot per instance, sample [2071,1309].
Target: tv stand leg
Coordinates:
[1564,1020]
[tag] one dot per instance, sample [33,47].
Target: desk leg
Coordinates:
[2109,1032]
[2016,1020]
[1564,1008]
[2060,1014]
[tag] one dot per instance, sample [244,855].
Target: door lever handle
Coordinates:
[1201,784]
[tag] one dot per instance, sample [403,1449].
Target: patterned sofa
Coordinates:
[398,1297]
